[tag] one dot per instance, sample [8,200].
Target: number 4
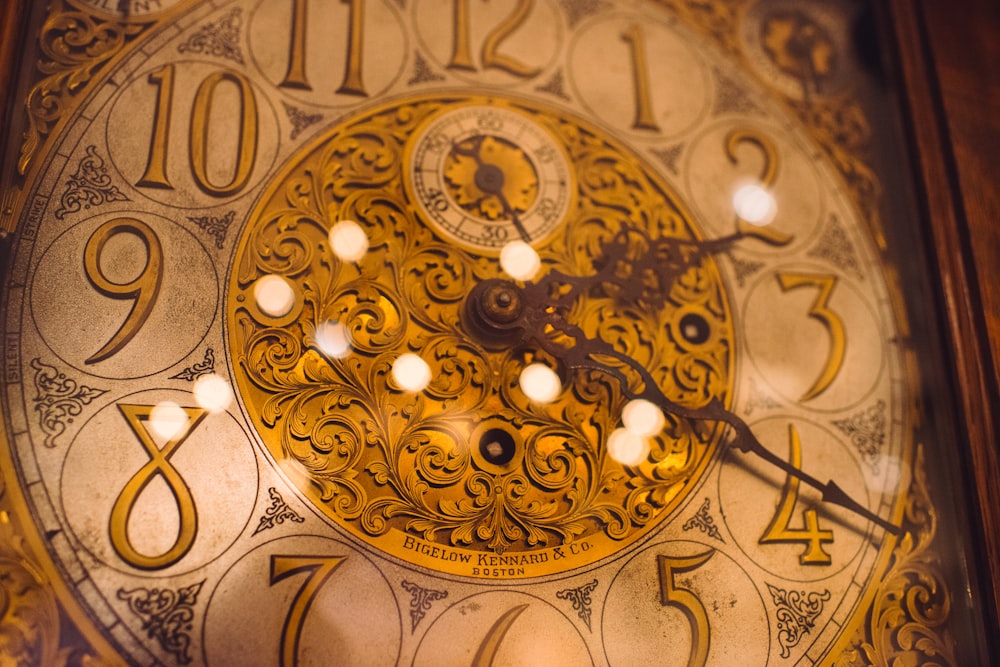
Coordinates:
[810,535]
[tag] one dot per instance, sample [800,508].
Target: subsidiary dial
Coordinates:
[487,175]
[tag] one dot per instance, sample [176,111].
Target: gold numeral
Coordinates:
[491,643]
[320,568]
[672,595]
[159,464]
[247,148]
[461,57]
[768,175]
[811,534]
[155,175]
[295,75]
[829,319]
[644,119]
[143,288]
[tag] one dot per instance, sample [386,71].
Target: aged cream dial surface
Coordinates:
[266,220]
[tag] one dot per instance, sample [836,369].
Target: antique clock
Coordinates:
[450,332]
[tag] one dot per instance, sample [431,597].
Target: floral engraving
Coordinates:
[866,429]
[300,119]
[704,522]
[421,601]
[215,226]
[835,247]
[908,618]
[29,613]
[204,367]
[385,460]
[422,72]
[796,612]
[220,38]
[167,616]
[580,598]
[75,47]
[731,98]
[669,156]
[759,399]
[577,10]
[89,186]
[58,399]
[555,86]
[276,513]
[744,268]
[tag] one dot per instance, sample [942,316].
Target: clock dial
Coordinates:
[274,391]
[551,497]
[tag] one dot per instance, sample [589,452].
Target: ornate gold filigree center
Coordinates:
[467,476]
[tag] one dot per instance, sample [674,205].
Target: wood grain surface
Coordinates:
[949,55]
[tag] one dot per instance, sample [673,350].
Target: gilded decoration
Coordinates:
[907,623]
[386,463]
[167,616]
[29,615]
[75,46]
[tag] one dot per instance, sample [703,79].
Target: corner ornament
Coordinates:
[74,46]
[29,614]
[907,622]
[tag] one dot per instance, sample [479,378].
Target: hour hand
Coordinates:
[584,353]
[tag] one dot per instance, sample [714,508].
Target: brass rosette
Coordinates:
[410,474]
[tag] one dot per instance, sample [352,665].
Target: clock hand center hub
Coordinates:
[495,312]
[489,178]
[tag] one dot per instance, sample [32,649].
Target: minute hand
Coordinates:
[582,356]
[547,299]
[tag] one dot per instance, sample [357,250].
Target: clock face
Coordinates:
[448,332]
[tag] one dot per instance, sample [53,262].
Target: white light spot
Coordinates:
[274,295]
[332,338]
[167,419]
[520,260]
[540,383]
[348,240]
[627,448]
[642,418]
[213,393]
[411,372]
[754,204]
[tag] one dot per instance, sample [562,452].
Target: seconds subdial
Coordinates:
[486,175]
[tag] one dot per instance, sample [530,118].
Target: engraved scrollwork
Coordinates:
[580,599]
[204,367]
[300,119]
[220,38]
[29,614]
[421,601]
[58,399]
[841,128]
[381,459]
[167,616]
[907,620]
[276,513]
[89,186]
[796,612]
[75,47]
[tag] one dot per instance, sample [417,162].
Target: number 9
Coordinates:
[143,288]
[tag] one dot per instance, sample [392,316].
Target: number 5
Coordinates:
[672,595]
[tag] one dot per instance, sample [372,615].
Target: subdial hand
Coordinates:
[490,179]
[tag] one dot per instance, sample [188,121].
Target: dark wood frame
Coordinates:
[958,222]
